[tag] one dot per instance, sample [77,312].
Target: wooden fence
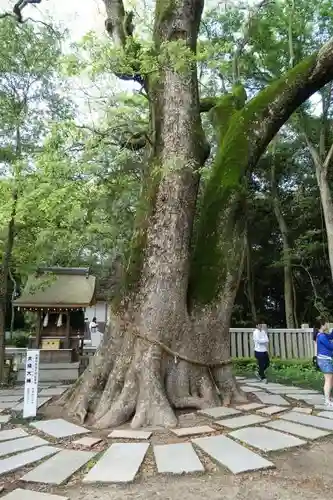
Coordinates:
[283,343]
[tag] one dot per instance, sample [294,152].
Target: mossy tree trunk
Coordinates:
[169,343]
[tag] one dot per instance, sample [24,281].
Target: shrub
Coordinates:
[20,339]
[298,372]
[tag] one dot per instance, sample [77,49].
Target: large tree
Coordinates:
[169,342]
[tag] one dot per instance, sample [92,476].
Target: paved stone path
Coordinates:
[237,438]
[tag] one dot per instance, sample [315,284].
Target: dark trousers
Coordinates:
[263,363]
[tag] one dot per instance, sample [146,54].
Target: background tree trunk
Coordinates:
[289,299]
[5,270]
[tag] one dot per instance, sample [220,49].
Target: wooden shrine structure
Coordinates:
[59,296]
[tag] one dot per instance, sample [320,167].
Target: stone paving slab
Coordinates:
[119,464]
[231,455]
[192,431]
[10,399]
[7,406]
[272,399]
[323,407]
[244,420]
[4,419]
[303,431]
[266,439]
[314,399]
[15,462]
[88,441]
[311,420]
[59,428]
[12,434]
[52,391]
[27,443]
[57,469]
[219,412]
[297,396]
[20,494]
[40,402]
[11,392]
[307,411]
[272,410]
[246,388]
[177,459]
[250,406]
[325,414]
[129,434]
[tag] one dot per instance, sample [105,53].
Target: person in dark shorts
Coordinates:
[324,359]
[315,332]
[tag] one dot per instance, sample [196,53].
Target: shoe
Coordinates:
[264,381]
[329,404]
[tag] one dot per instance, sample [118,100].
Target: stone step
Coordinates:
[129,434]
[59,428]
[52,391]
[325,414]
[26,443]
[242,421]
[266,439]
[57,469]
[40,402]
[272,399]
[231,455]
[311,420]
[219,412]
[15,462]
[119,464]
[20,494]
[177,459]
[192,431]
[300,430]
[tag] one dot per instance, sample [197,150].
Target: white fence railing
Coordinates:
[283,343]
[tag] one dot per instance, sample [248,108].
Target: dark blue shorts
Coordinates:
[325,365]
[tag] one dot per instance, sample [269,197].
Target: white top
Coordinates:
[260,340]
[93,326]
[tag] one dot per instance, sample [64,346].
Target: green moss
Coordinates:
[144,211]
[236,128]
[164,10]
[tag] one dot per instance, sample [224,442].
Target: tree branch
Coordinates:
[272,107]
[295,87]
[119,25]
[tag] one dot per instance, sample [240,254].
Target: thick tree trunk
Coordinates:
[163,358]
[5,275]
[170,338]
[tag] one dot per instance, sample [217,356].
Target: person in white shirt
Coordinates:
[260,340]
[93,326]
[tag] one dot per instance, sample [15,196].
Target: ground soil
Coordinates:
[305,473]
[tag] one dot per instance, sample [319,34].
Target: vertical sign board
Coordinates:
[31,384]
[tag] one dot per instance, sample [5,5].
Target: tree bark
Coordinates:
[289,302]
[321,168]
[170,342]
[5,270]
